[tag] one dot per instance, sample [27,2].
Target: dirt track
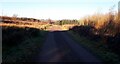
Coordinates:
[59,47]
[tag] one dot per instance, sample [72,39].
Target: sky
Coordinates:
[55,9]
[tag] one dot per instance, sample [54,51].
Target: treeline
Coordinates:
[101,28]
[66,21]
[22,20]
[7,19]
[18,18]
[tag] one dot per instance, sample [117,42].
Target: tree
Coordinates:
[15,17]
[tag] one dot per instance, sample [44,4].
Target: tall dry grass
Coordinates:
[108,24]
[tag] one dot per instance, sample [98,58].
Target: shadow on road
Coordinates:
[59,47]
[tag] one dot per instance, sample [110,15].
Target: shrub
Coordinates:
[13,36]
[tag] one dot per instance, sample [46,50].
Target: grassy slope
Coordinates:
[95,48]
[25,50]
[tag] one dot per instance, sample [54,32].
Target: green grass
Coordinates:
[26,49]
[96,48]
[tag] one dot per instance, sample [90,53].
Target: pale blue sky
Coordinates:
[55,9]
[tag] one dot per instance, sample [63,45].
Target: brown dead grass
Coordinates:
[37,25]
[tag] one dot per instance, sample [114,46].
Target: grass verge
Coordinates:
[25,49]
[96,48]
